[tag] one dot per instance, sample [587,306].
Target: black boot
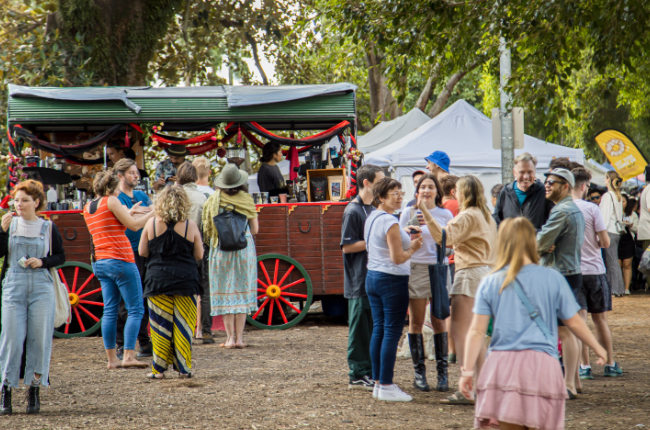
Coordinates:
[440,345]
[5,400]
[33,400]
[416,343]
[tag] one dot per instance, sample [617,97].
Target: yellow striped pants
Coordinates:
[172,320]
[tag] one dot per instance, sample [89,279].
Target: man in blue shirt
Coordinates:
[129,176]
[525,196]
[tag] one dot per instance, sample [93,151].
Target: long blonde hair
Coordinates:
[471,190]
[515,241]
[614,184]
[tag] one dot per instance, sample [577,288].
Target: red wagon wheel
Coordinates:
[86,303]
[281,280]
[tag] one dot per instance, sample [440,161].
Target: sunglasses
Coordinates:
[551,182]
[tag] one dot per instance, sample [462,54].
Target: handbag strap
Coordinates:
[614,204]
[370,228]
[532,312]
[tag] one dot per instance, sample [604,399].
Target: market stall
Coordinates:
[297,247]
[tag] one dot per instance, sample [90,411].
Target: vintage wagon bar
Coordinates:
[299,258]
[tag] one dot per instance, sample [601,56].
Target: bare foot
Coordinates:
[133,364]
[113,365]
[241,345]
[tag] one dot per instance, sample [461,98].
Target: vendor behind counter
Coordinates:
[269,177]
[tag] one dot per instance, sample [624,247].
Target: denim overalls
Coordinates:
[27,310]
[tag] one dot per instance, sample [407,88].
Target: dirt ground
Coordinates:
[297,379]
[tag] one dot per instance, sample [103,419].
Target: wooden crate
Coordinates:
[319,173]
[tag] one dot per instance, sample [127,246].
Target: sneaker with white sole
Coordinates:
[392,393]
[375,391]
[364,383]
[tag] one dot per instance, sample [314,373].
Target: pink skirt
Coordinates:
[520,387]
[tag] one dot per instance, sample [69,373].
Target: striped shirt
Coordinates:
[108,234]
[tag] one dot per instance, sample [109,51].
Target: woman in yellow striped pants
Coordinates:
[172,245]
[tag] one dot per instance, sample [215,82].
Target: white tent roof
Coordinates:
[465,134]
[387,132]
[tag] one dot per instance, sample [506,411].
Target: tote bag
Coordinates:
[231,227]
[62,314]
[438,282]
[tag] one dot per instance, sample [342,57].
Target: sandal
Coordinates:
[457,399]
[155,376]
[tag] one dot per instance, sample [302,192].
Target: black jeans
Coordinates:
[143,334]
[204,274]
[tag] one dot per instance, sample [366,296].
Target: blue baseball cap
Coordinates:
[440,159]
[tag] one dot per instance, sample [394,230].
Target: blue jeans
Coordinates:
[120,279]
[389,301]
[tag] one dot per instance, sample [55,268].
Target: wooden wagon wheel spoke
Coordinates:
[261,307]
[87,308]
[87,312]
[85,284]
[275,271]
[288,303]
[266,274]
[293,284]
[288,274]
[299,296]
[284,317]
[90,293]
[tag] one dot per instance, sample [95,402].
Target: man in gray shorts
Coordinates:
[595,296]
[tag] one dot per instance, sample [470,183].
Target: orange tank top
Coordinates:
[108,234]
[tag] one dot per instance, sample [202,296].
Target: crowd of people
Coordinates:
[163,270]
[523,276]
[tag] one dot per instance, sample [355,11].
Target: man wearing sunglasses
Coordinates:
[559,243]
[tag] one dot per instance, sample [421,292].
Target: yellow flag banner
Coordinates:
[622,153]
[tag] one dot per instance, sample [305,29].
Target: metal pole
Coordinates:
[505,114]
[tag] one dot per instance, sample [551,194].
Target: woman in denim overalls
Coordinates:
[27,295]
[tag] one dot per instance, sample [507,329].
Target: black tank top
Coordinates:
[171,267]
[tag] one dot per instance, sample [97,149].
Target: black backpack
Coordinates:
[231,227]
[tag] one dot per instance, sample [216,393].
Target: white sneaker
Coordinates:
[375,391]
[392,393]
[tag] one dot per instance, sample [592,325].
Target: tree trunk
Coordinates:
[383,105]
[119,36]
[427,91]
[446,92]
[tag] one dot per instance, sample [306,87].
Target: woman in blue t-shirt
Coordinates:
[521,382]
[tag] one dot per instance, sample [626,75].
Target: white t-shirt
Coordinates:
[375,233]
[644,219]
[591,262]
[427,253]
[205,189]
[612,210]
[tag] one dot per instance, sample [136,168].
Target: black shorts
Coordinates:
[597,293]
[575,282]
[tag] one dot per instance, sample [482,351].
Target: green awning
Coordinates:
[282,107]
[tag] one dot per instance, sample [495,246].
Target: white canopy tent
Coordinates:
[465,134]
[387,132]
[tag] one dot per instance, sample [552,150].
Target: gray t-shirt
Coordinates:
[354,264]
[375,233]
[514,330]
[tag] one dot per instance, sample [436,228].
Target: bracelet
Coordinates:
[466,373]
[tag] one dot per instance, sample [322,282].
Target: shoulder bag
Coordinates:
[532,312]
[438,282]
[231,228]
[62,314]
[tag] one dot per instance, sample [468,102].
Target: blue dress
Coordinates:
[233,279]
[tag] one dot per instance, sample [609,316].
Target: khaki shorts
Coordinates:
[466,280]
[419,285]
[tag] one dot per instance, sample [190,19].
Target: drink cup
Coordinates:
[274,199]
[265,197]
[283,198]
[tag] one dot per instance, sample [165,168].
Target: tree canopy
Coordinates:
[578,67]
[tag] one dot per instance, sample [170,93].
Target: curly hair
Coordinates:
[33,189]
[172,205]
[105,183]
